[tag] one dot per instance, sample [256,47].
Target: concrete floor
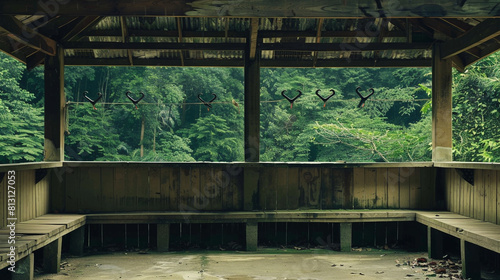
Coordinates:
[263,265]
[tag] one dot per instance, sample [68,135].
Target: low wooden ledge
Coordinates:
[468,165]
[484,234]
[30,166]
[323,216]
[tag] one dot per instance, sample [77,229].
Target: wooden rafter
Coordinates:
[23,34]
[254,30]
[241,34]
[485,31]
[318,39]
[338,63]
[179,34]
[125,38]
[74,32]
[307,47]
[493,47]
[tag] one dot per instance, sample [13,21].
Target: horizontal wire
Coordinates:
[264,101]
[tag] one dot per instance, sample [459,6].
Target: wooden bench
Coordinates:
[42,232]
[251,219]
[472,233]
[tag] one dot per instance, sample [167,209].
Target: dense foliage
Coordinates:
[171,124]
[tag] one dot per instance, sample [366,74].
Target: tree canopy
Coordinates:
[171,124]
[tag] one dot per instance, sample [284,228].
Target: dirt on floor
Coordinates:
[262,265]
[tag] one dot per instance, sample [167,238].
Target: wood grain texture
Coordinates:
[393,188]
[490,196]
[358,193]
[293,199]
[381,194]
[404,187]
[478,195]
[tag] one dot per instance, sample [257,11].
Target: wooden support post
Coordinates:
[25,268]
[434,243]
[252,107]
[52,256]
[345,237]
[471,267]
[163,237]
[54,107]
[441,106]
[77,239]
[252,236]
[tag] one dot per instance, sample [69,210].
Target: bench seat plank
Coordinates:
[325,216]
[484,234]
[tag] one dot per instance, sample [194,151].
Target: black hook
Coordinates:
[325,99]
[134,100]
[291,100]
[363,99]
[93,102]
[209,103]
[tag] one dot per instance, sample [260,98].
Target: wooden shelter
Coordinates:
[250,34]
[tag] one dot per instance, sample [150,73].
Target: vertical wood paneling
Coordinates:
[170,186]
[267,189]
[293,198]
[404,187]
[155,191]
[479,194]
[465,198]
[428,191]
[393,187]
[90,189]
[42,196]
[498,196]
[233,193]
[309,186]
[381,194]
[490,196]
[72,189]
[415,189]
[119,188]
[347,190]
[370,187]
[57,183]
[327,192]
[447,180]
[358,194]
[185,192]
[212,187]
[141,177]
[338,181]
[108,189]
[281,188]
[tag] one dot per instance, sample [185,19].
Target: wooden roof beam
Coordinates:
[75,31]
[254,31]
[493,47]
[125,38]
[306,47]
[318,38]
[330,63]
[485,31]
[179,34]
[152,46]
[22,34]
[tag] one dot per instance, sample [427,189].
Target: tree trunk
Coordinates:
[142,138]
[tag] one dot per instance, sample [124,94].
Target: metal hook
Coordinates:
[363,99]
[209,103]
[93,102]
[323,98]
[291,100]
[135,101]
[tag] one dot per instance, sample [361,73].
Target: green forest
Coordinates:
[171,124]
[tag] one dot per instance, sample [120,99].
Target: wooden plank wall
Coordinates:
[480,201]
[32,200]
[219,187]
[153,188]
[346,188]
